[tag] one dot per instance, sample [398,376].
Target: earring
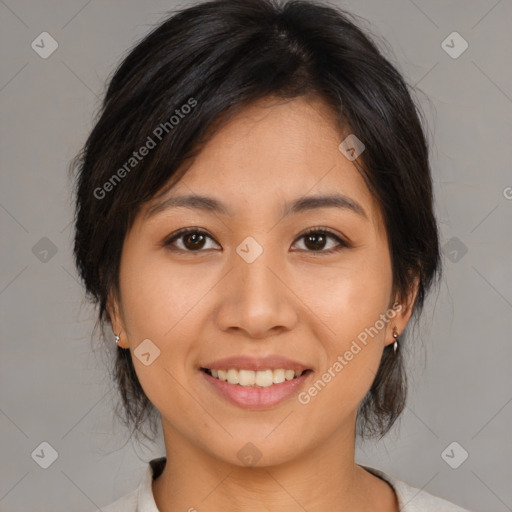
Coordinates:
[117,338]
[395,344]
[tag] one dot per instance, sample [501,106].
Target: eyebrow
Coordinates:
[212,205]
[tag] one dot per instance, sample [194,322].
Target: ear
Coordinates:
[116,319]
[403,313]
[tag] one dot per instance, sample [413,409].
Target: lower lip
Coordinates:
[254,397]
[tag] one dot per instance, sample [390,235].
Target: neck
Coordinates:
[325,478]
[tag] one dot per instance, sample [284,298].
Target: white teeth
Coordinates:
[289,374]
[246,377]
[233,377]
[260,378]
[264,378]
[278,376]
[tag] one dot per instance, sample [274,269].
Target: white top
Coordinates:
[410,499]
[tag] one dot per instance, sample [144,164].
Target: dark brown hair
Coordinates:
[216,58]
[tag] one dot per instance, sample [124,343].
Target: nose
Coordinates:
[256,299]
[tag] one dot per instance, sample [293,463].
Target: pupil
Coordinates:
[316,237]
[195,237]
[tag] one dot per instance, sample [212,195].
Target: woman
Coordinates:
[255,221]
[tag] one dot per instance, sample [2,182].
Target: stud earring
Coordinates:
[117,338]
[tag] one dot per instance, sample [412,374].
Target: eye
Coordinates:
[193,240]
[316,238]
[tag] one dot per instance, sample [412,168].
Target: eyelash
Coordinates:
[343,244]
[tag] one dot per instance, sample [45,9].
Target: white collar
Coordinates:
[410,499]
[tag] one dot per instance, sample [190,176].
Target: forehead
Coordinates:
[274,151]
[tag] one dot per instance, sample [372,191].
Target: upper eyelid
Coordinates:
[185,231]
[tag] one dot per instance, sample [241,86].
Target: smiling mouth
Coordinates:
[254,378]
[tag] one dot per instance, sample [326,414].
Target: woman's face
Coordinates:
[250,286]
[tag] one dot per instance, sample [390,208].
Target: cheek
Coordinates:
[155,303]
[354,304]
[156,296]
[352,297]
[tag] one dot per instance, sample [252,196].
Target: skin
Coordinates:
[294,301]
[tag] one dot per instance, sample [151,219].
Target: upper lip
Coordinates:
[256,363]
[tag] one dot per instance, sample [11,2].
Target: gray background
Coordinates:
[55,387]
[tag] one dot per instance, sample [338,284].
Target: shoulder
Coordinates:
[417,500]
[127,503]
[412,499]
[140,499]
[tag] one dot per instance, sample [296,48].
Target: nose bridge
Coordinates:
[256,300]
[258,277]
[257,285]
